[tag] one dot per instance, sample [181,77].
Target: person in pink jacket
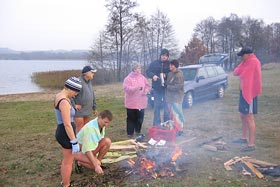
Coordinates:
[249,71]
[136,87]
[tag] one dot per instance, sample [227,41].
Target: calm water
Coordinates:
[16,74]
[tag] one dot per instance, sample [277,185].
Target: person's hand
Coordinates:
[78,107]
[75,146]
[98,170]
[95,112]
[155,78]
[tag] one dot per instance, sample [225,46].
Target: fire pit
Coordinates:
[155,162]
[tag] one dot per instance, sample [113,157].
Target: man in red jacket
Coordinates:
[249,71]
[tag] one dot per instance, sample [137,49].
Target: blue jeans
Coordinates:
[160,103]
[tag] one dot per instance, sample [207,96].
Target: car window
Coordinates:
[189,73]
[220,70]
[202,72]
[211,72]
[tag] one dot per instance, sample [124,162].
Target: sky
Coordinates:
[27,25]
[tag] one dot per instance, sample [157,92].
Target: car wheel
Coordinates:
[220,92]
[188,100]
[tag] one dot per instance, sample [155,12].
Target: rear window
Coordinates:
[211,72]
[202,73]
[220,70]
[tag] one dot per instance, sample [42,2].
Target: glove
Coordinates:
[75,146]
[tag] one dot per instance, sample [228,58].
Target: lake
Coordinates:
[16,74]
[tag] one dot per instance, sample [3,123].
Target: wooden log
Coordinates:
[113,160]
[210,141]
[259,162]
[227,167]
[234,160]
[210,148]
[122,147]
[186,141]
[253,169]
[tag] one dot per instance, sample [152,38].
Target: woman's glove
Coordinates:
[75,146]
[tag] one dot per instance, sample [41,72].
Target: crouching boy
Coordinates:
[94,145]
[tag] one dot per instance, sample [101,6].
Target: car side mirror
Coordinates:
[199,78]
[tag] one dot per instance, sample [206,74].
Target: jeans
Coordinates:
[134,120]
[160,103]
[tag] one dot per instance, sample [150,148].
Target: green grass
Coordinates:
[30,156]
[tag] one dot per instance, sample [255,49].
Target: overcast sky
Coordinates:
[74,24]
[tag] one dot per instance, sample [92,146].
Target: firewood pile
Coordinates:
[253,167]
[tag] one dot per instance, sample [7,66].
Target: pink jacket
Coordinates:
[135,98]
[250,77]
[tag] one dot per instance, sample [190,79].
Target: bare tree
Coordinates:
[229,36]
[206,31]
[120,26]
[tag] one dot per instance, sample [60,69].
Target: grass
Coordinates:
[30,156]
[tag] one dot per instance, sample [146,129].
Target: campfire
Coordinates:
[155,162]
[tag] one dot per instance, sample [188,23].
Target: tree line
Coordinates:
[129,37]
[229,34]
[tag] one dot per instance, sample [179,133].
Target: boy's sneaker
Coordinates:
[61,184]
[78,168]
[248,148]
[240,141]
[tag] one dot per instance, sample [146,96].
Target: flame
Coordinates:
[147,164]
[131,162]
[146,167]
[177,152]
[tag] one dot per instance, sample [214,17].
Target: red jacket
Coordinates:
[250,75]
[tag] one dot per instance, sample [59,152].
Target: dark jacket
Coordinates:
[155,68]
[175,87]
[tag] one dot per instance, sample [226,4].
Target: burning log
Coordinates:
[152,163]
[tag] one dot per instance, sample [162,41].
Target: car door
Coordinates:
[201,84]
[213,80]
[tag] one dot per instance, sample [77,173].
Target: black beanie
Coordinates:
[164,52]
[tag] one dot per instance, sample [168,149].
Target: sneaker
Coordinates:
[78,168]
[61,184]
[240,141]
[179,133]
[248,148]
[140,138]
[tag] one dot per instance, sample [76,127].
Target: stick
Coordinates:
[253,169]
[186,141]
[259,162]
[209,141]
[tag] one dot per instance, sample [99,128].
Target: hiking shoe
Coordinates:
[78,168]
[240,141]
[248,148]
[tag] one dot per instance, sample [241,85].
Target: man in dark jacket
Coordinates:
[158,71]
